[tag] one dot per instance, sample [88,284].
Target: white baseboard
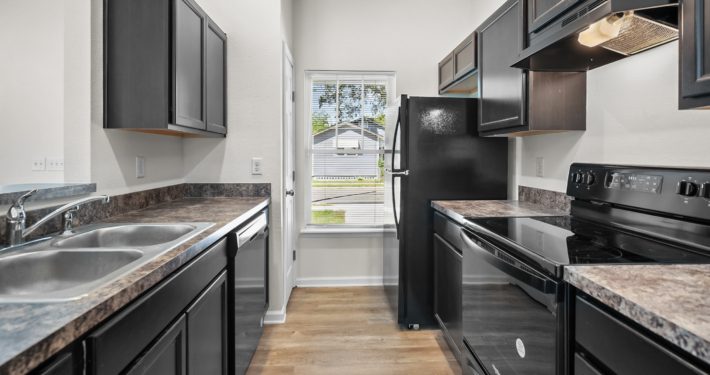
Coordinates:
[275,316]
[312,282]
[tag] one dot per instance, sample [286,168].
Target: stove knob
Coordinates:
[589,178]
[687,188]
[577,178]
[705,190]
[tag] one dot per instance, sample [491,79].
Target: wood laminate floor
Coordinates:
[348,331]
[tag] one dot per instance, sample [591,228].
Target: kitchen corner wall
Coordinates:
[255,35]
[632,118]
[405,36]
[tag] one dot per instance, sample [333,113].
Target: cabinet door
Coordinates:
[465,57]
[540,12]
[447,291]
[502,89]
[695,54]
[446,71]
[189,100]
[207,327]
[71,362]
[216,78]
[167,356]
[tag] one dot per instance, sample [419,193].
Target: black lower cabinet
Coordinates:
[128,337]
[448,263]
[604,343]
[207,330]
[447,292]
[167,356]
[69,362]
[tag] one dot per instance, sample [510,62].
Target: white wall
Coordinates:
[632,118]
[31,88]
[405,36]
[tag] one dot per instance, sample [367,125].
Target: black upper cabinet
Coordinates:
[457,70]
[517,102]
[540,12]
[189,64]
[694,54]
[164,68]
[216,78]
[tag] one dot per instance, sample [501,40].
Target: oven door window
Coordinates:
[510,312]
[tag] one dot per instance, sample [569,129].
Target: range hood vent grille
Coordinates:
[639,34]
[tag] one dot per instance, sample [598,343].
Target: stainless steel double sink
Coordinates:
[68,267]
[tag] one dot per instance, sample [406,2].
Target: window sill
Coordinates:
[315,230]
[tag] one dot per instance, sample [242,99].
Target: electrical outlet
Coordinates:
[256,166]
[540,166]
[140,167]
[38,164]
[55,164]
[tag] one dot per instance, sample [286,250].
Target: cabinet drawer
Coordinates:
[118,342]
[621,348]
[448,230]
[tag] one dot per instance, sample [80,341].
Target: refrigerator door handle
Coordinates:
[395,173]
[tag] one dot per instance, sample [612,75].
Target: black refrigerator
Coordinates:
[432,152]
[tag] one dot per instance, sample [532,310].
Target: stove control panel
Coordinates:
[676,191]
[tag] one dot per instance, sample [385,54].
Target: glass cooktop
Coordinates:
[564,240]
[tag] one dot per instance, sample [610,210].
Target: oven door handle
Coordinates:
[510,266]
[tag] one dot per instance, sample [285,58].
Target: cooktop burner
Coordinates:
[564,240]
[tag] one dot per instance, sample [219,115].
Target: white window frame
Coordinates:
[310,75]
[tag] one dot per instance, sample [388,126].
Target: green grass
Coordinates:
[348,183]
[328,217]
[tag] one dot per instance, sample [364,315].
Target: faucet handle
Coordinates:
[17,210]
[68,220]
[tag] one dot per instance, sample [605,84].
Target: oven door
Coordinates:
[512,315]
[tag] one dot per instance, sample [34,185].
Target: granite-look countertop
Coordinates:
[458,210]
[670,300]
[32,333]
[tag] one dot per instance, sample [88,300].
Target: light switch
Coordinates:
[539,167]
[256,166]
[140,167]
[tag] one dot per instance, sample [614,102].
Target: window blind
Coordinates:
[347,129]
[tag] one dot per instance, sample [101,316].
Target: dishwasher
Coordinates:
[248,280]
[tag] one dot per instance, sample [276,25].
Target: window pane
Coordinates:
[347,189]
[374,104]
[347,117]
[350,101]
[323,106]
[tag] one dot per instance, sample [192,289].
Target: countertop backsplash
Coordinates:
[545,198]
[123,203]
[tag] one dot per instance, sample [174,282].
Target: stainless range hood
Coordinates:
[598,32]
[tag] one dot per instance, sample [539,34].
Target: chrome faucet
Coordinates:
[16,217]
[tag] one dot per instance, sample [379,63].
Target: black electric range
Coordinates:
[513,292]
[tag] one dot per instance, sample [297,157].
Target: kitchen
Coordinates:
[184,199]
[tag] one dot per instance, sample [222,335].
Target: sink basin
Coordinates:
[71,266]
[133,235]
[56,274]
